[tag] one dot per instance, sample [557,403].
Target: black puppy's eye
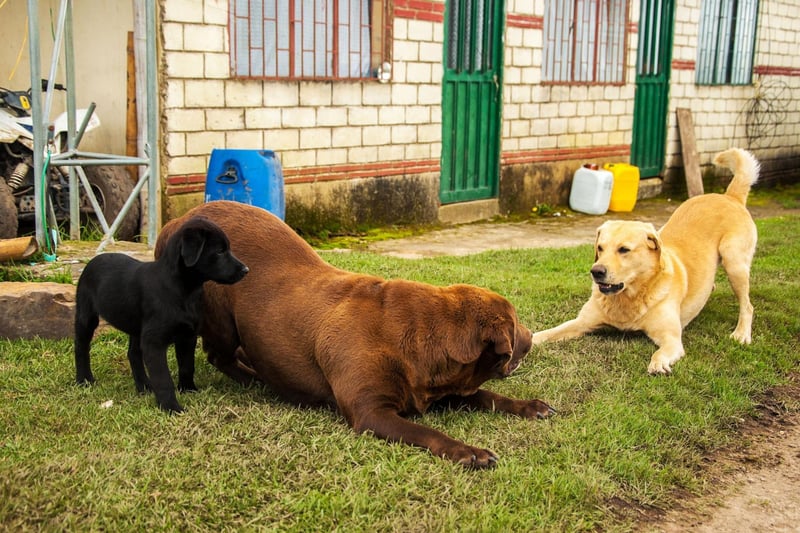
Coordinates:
[624,249]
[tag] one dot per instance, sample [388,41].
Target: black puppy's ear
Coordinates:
[192,242]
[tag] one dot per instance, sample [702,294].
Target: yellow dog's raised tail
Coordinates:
[745,169]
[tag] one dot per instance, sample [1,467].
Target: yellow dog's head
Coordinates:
[626,253]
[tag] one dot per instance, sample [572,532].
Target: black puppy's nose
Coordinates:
[599,272]
[245,269]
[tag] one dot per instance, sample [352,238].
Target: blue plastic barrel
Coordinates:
[252,177]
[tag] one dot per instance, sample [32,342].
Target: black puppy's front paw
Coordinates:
[171,407]
[142,386]
[188,386]
[84,379]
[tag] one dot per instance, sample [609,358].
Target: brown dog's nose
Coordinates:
[599,272]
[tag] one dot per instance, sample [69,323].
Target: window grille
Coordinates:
[309,39]
[584,41]
[726,43]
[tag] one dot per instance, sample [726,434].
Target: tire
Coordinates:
[112,186]
[8,212]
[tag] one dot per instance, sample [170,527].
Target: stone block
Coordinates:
[32,310]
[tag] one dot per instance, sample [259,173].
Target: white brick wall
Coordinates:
[349,123]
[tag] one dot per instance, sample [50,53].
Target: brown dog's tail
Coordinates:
[745,169]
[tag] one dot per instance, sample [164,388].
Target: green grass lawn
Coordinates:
[239,459]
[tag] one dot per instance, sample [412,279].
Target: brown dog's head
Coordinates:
[498,342]
[626,253]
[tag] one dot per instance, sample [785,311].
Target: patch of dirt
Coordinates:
[753,486]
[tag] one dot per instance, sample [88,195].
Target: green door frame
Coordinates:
[471,99]
[651,103]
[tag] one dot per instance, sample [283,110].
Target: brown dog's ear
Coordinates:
[499,334]
[192,242]
[502,341]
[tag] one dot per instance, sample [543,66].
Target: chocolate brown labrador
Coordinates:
[377,350]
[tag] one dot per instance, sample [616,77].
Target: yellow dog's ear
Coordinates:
[596,239]
[654,243]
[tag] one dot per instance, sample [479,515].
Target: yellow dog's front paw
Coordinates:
[659,367]
[742,336]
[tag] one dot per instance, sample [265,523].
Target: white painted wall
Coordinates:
[100,42]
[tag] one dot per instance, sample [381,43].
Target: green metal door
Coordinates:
[652,87]
[471,100]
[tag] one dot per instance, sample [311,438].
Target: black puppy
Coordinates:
[156,303]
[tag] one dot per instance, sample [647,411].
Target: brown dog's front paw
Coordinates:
[470,457]
[536,409]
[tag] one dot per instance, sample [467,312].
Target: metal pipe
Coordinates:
[151,149]
[86,117]
[72,141]
[117,221]
[69,159]
[62,14]
[36,114]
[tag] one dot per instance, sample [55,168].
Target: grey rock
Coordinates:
[29,310]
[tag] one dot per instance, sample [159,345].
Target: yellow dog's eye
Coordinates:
[599,248]
[623,250]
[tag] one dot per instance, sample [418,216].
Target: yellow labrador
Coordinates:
[658,281]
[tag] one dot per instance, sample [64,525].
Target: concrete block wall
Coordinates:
[539,116]
[720,112]
[325,132]
[342,142]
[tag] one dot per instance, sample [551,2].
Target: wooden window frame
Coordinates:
[726,42]
[310,39]
[581,45]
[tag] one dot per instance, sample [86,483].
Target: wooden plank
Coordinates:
[131,121]
[691,162]
[16,249]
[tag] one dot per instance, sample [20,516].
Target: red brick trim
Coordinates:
[679,64]
[185,184]
[767,70]
[419,10]
[193,183]
[565,154]
[366,170]
[515,20]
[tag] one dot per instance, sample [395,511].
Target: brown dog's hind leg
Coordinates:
[234,366]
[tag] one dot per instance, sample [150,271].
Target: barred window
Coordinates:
[308,39]
[584,41]
[726,43]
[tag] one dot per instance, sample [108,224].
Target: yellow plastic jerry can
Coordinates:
[626,186]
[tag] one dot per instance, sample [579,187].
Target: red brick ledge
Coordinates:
[515,20]
[419,10]
[761,70]
[766,70]
[565,154]
[194,183]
